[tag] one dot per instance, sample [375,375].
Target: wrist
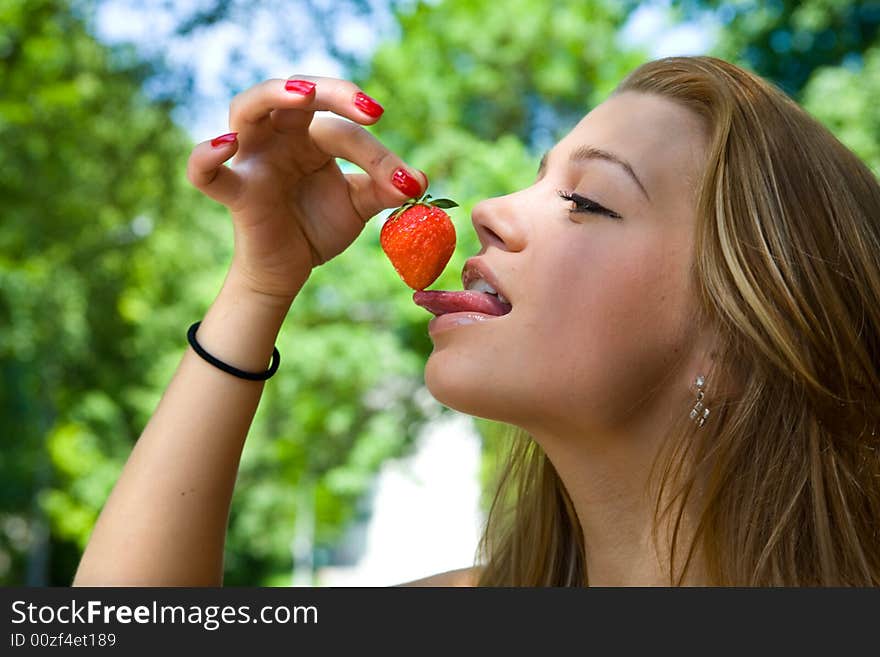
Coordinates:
[241,286]
[242,324]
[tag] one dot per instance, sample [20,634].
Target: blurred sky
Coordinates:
[150,25]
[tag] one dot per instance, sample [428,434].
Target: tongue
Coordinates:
[441,302]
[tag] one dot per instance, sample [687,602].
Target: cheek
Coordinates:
[639,292]
[621,317]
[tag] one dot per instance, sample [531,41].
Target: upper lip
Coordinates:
[475,268]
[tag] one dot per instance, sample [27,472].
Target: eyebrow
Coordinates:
[583,153]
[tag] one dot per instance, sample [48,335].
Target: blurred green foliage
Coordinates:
[824,53]
[96,274]
[107,254]
[787,40]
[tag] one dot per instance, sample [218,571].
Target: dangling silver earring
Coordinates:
[700,413]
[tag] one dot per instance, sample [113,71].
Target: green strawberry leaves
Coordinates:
[443,203]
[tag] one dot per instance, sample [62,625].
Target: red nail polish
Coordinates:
[367,105]
[228,138]
[406,183]
[303,87]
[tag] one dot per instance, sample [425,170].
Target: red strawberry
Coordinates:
[419,239]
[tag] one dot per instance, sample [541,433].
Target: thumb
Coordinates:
[207,172]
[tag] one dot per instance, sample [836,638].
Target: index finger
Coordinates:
[304,95]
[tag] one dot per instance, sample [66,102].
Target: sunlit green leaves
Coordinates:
[846,100]
[91,178]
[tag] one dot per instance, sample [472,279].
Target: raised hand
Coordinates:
[292,208]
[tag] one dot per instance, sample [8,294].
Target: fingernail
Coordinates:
[406,183]
[228,138]
[303,87]
[367,105]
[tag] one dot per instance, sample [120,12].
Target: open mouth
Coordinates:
[441,302]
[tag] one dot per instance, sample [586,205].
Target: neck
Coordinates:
[609,483]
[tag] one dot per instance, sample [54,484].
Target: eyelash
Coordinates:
[583,204]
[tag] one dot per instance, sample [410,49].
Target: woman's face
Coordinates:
[601,305]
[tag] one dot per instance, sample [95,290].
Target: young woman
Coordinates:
[690,368]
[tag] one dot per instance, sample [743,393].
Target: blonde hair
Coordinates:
[783,482]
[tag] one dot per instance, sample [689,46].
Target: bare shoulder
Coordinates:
[459,577]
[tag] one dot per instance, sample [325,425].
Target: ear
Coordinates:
[705,350]
[707,360]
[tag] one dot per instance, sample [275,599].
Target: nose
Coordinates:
[498,223]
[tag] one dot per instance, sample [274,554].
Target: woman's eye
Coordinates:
[583,204]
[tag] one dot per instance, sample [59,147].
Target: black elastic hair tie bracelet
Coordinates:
[229,369]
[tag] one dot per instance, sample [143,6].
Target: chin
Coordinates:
[467,388]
